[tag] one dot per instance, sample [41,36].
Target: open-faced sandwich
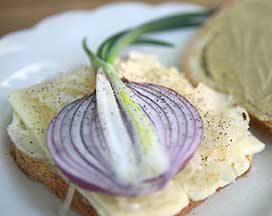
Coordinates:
[232,53]
[129,137]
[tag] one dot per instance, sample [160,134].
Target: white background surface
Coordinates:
[53,46]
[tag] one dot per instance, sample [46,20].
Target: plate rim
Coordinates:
[109,6]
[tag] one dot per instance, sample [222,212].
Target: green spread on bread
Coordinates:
[234,52]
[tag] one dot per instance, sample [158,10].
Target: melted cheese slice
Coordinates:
[222,156]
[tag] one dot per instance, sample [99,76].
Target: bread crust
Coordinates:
[39,171]
[192,76]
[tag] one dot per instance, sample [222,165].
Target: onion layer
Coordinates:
[76,142]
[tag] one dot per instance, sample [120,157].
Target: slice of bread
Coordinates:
[39,171]
[196,49]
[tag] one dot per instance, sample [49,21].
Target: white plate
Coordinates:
[54,45]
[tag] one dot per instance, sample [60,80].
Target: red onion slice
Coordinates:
[79,148]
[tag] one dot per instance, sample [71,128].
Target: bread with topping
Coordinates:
[229,54]
[224,154]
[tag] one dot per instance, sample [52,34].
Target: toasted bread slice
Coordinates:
[211,167]
[197,47]
[39,171]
